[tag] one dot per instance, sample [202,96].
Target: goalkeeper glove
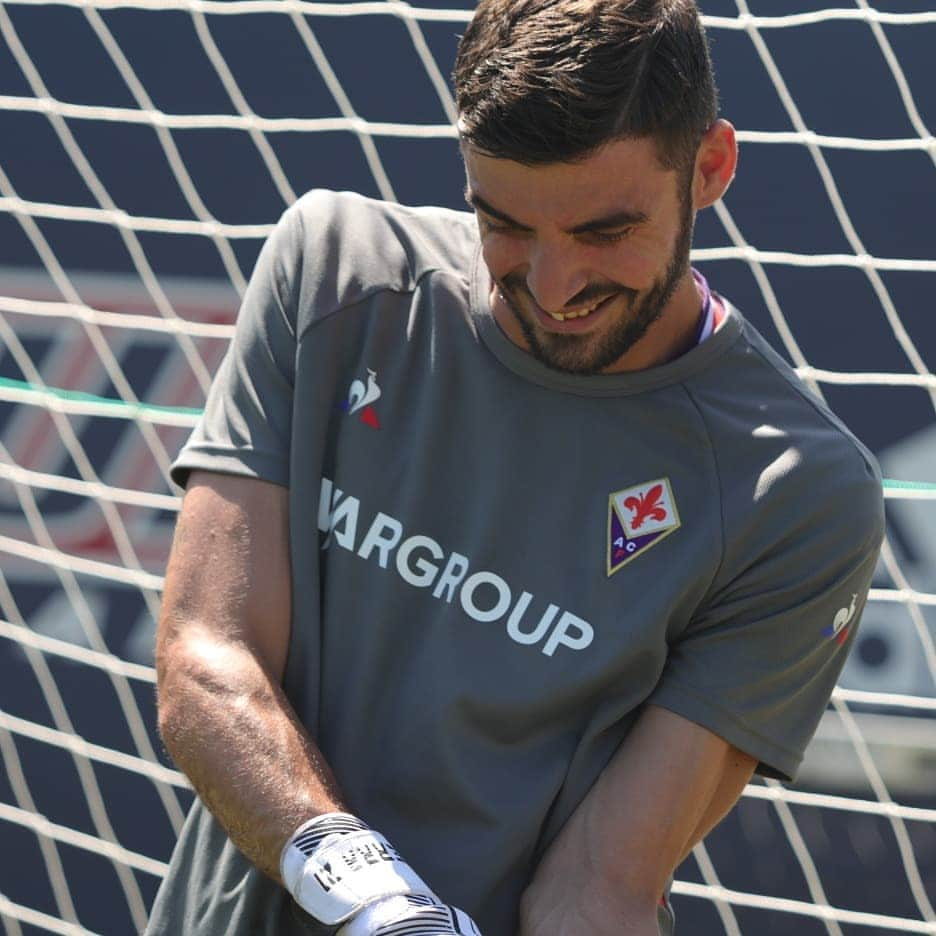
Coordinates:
[336,868]
[411,915]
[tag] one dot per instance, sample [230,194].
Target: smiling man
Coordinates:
[504,534]
[583,288]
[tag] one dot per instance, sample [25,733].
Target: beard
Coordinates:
[593,354]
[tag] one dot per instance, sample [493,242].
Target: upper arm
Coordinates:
[667,785]
[228,581]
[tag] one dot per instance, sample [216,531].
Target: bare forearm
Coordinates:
[573,893]
[231,730]
[587,909]
[667,785]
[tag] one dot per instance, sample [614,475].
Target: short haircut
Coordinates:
[549,81]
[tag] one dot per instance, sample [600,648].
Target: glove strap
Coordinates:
[412,915]
[334,866]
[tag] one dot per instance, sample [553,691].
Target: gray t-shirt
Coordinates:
[495,565]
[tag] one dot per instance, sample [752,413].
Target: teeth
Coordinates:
[559,317]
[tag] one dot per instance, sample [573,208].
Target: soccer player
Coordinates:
[509,549]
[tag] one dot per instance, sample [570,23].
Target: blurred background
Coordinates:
[145,151]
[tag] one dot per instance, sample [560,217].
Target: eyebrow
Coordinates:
[615,220]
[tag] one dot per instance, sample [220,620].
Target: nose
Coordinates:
[554,275]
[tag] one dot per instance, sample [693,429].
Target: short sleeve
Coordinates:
[246,425]
[758,664]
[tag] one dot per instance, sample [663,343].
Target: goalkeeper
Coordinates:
[509,549]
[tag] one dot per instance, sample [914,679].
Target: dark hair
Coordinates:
[546,81]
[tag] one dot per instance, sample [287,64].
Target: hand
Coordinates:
[408,916]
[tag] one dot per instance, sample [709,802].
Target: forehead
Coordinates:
[625,175]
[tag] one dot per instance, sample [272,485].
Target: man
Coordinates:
[505,539]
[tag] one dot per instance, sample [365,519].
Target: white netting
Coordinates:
[148,149]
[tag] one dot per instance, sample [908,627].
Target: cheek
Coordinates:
[503,255]
[632,266]
[642,261]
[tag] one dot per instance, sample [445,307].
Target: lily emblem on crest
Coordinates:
[638,518]
[360,398]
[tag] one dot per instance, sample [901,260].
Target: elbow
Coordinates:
[170,721]
[190,673]
[199,676]
[171,696]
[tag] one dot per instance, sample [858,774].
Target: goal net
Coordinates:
[148,148]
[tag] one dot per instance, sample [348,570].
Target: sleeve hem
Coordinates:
[773,760]
[250,464]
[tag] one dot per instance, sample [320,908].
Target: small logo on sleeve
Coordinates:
[361,396]
[638,518]
[838,629]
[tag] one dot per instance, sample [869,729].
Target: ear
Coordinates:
[716,161]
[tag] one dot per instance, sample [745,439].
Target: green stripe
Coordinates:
[131,408]
[76,396]
[909,485]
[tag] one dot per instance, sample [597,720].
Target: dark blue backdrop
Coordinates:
[842,86]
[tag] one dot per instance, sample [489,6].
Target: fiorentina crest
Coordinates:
[639,517]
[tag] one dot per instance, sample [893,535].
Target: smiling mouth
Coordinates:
[580,313]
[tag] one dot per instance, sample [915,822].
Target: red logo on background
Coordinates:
[646,506]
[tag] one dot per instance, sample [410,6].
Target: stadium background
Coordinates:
[839,80]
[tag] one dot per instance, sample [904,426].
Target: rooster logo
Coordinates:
[361,396]
[838,629]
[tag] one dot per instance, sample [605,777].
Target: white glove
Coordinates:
[410,916]
[334,866]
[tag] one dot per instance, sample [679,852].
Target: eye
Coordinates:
[491,226]
[610,237]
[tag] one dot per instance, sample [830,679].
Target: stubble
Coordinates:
[594,354]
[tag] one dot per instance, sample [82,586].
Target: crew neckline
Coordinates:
[524,365]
